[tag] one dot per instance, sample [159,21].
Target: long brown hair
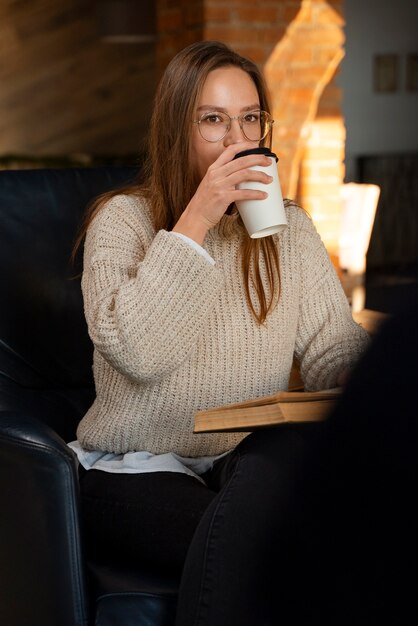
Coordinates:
[169,181]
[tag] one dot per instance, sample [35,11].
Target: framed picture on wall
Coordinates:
[386,73]
[412,72]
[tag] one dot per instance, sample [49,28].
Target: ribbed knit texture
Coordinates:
[174,334]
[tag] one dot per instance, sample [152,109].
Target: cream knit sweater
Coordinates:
[174,334]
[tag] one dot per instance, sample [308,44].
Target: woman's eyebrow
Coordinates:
[213,107]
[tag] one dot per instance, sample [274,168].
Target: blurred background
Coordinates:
[78,77]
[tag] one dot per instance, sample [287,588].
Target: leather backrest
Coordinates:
[43,334]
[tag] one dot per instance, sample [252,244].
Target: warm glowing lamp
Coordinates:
[359,210]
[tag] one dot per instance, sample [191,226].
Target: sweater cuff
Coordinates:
[193,244]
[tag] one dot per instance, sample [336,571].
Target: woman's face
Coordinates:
[229,90]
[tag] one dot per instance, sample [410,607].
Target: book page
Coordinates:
[252,417]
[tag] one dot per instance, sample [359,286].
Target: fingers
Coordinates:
[219,187]
[249,174]
[249,168]
[247,194]
[226,165]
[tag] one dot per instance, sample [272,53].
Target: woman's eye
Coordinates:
[212,118]
[251,118]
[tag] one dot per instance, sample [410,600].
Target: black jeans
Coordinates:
[229,534]
[237,564]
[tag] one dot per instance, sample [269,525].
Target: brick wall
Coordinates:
[179,23]
[299,45]
[252,27]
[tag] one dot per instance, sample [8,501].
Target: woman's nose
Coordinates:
[234,134]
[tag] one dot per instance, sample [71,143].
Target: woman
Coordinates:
[187,312]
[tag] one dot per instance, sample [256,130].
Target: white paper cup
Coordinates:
[263,217]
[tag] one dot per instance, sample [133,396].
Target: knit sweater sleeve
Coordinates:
[328,340]
[146,295]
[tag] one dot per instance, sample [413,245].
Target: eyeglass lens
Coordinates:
[255,125]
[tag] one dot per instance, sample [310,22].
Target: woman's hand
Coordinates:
[217,190]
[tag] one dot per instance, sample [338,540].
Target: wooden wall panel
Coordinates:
[62,90]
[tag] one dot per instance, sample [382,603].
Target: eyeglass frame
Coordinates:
[240,122]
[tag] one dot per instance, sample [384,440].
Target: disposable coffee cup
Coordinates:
[263,217]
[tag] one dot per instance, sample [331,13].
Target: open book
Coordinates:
[279,408]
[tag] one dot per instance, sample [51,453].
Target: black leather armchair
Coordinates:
[354,564]
[46,386]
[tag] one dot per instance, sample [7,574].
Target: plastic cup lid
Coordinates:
[266,151]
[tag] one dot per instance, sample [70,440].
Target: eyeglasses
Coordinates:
[214,125]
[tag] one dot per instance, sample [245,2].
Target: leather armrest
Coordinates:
[41,564]
[22,428]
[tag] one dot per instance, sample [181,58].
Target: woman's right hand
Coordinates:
[217,190]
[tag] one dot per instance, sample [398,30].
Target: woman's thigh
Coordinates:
[146,518]
[243,547]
